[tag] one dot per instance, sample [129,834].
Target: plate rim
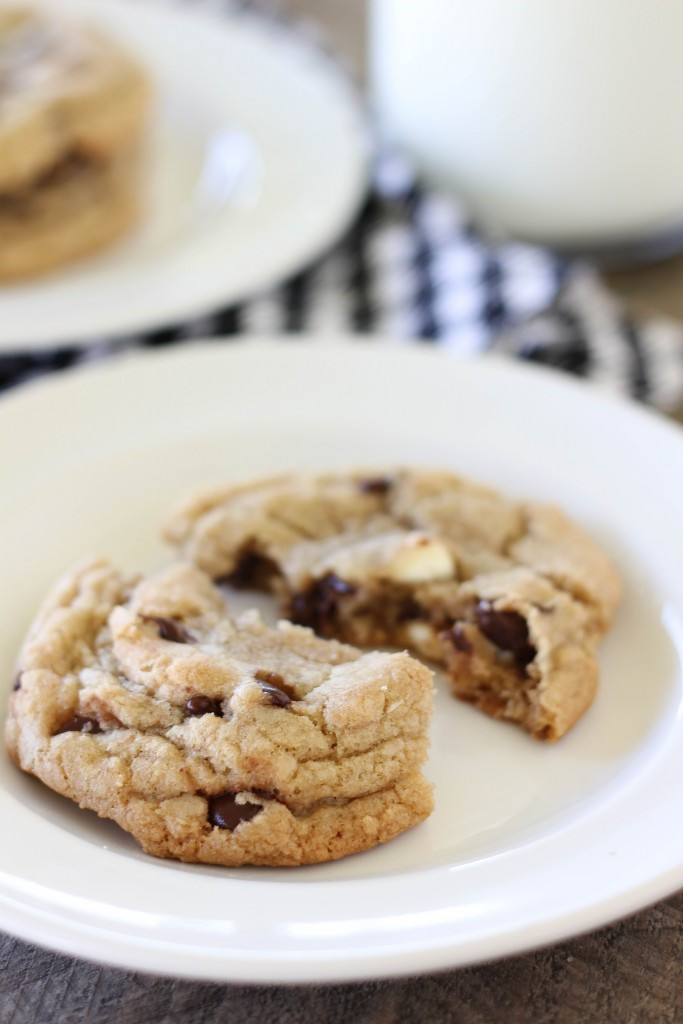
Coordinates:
[435,958]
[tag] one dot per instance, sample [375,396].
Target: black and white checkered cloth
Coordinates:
[412,266]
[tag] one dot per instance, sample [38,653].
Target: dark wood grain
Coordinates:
[629,973]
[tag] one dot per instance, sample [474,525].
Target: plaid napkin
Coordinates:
[413,267]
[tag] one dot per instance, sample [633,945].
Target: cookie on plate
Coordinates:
[73,111]
[217,739]
[510,597]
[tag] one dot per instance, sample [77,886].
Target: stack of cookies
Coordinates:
[217,739]
[73,110]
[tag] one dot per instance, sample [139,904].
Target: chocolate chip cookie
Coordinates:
[73,110]
[212,738]
[509,597]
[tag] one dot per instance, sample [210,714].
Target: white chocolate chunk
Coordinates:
[424,639]
[421,559]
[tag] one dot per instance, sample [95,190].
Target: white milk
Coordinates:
[560,120]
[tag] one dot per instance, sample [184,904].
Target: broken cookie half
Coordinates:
[509,597]
[217,739]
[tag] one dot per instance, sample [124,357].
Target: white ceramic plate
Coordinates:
[257,162]
[529,843]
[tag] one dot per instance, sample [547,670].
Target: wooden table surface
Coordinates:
[628,973]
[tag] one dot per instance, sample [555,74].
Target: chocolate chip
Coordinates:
[16,685]
[225,812]
[277,697]
[265,676]
[408,609]
[171,630]
[332,583]
[460,641]
[375,485]
[507,630]
[201,705]
[252,571]
[302,609]
[317,607]
[274,679]
[79,723]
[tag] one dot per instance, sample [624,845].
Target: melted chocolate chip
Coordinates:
[277,697]
[507,630]
[302,609]
[375,485]
[225,812]
[252,571]
[317,607]
[408,609]
[460,641]
[331,583]
[79,723]
[171,630]
[201,705]
[16,685]
[265,676]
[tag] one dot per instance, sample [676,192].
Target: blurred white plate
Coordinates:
[257,162]
[529,843]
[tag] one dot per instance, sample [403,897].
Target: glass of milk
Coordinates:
[560,121]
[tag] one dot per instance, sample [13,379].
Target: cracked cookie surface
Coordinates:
[212,738]
[509,596]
